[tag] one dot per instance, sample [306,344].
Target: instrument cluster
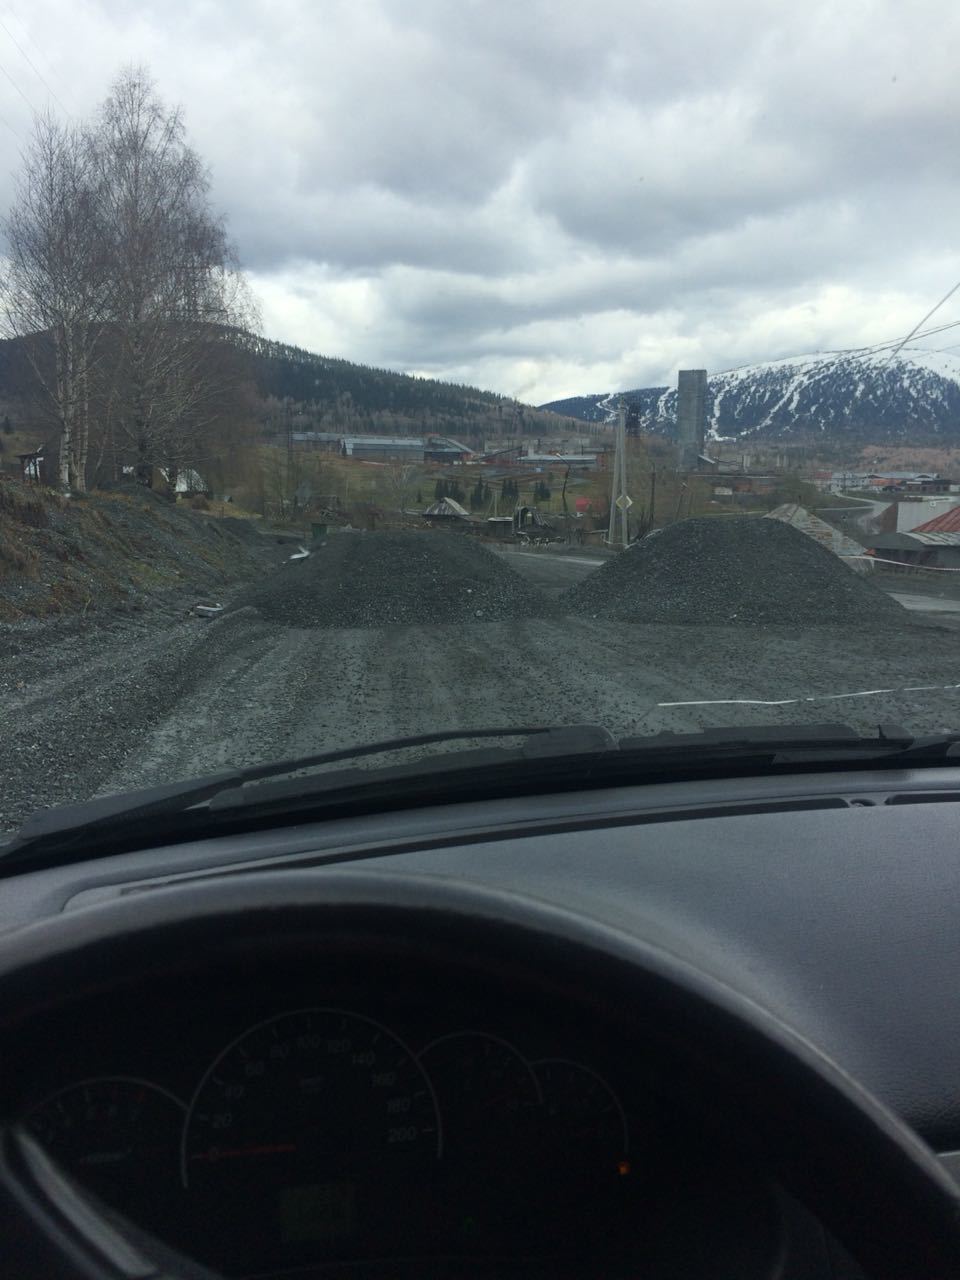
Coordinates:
[321,1136]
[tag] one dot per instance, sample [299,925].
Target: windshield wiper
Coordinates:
[552,757]
[72,825]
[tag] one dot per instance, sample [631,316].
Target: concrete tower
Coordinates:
[691,416]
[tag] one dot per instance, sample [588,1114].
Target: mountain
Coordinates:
[319,393]
[915,396]
[334,394]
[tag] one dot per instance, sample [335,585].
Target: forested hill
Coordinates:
[328,394]
[340,395]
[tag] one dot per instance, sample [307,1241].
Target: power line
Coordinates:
[18,89]
[895,345]
[36,71]
[876,348]
[16,133]
[944,299]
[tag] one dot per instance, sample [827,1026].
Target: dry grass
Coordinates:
[23,504]
[15,559]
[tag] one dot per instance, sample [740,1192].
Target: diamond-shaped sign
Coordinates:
[624,503]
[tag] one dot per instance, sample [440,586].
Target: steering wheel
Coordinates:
[853,1162]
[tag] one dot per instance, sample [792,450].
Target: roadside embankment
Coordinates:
[115,550]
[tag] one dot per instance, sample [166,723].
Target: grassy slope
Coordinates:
[107,550]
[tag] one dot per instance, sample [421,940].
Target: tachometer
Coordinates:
[490,1103]
[485,1089]
[583,1120]
[303,1133]
[119,1136]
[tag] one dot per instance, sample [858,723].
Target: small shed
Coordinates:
[446,509]
[450,514]
[39,466]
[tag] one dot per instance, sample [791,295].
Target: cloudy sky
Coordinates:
[543,197]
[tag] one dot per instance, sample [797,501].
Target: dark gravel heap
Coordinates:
[378,579]
[740,571]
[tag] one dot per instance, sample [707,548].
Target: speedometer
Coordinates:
[310,1124]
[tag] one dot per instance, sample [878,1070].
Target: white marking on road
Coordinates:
[814,697]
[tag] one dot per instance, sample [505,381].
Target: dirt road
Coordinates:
[113,704]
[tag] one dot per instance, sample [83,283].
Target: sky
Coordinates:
[547,198]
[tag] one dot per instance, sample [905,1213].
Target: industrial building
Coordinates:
[578,461]
[382,448]
[884,481]
[933,545]
[385,448]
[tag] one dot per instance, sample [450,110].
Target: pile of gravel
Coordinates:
[738,570]
[379,579]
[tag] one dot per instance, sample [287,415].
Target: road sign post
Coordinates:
[620,502]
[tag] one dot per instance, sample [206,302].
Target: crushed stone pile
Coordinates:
[387,578]
[738,571]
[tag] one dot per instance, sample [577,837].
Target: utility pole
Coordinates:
[620,501]
[566,477]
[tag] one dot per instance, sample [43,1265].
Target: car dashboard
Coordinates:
[370,1107]
[319,1129]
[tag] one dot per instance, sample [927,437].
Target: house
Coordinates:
[912,513]
[944,522]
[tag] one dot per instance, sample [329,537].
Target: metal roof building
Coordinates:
[383,448]
[930,550]
[833,539]
[946,522]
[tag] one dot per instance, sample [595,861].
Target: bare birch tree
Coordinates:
[176,289]
[54,283]
[125,285]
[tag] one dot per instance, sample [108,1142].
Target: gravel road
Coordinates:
[105,704]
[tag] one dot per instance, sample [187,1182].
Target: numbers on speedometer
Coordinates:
[318,1089]
[302,1137]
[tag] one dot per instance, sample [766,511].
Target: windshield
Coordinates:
[374,370]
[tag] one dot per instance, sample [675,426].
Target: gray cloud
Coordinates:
[546,197]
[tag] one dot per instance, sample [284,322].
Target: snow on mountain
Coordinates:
[915,395]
